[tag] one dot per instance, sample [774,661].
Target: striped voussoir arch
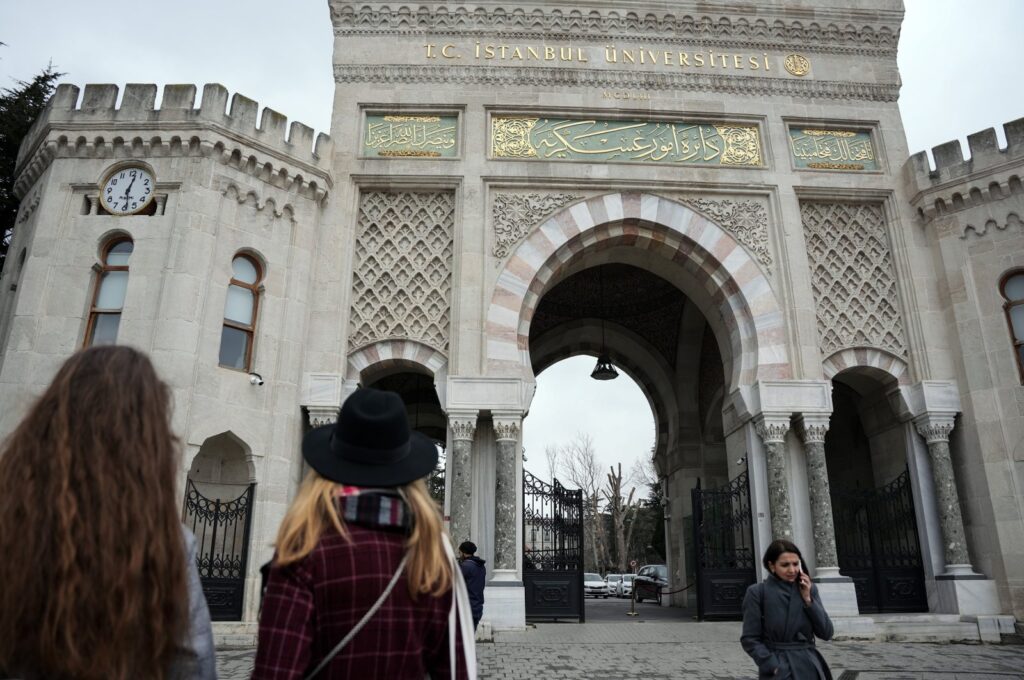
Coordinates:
[390,353]
[736,287]
[866,357]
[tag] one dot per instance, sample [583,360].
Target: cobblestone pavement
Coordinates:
[647,648]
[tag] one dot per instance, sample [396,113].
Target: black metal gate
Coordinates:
[723,544]
[222,548]
[552,550]
[877,546]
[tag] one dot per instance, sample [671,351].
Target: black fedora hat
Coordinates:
[370,444]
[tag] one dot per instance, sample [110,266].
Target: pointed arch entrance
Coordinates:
[727,300]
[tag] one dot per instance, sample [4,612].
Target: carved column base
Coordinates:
[504,602]
[966,595]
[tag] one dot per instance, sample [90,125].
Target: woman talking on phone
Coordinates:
[781,618]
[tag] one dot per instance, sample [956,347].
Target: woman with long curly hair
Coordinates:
[364,582]
[97,574]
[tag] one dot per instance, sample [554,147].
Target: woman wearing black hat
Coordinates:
[364,582]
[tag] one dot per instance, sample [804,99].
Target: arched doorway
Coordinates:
[877,541]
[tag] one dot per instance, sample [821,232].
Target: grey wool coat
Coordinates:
[779,631]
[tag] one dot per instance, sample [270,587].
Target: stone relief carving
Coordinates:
[515,214]
[251,198]
[508,76]
[463,429]
[852,277]
[746,221]
[506,430]
[402,274]
[762,32]
[29,206]
[1012,220]
[772,430]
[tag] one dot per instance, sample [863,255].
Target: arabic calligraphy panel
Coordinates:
[412,136]
[604,141]
[821,149]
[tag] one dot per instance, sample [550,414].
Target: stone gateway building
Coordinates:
[716,196]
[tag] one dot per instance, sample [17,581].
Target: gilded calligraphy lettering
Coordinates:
[581,56]
[754,64]
[488,51]
[549,53]
[430,51]
[628,55]
[698,59]
[684,59]
[446,52]
[611,55]
[737,61]
[517,53]
[531,52]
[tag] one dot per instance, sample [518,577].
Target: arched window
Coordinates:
[1013,291]
[108,297]
[240,308]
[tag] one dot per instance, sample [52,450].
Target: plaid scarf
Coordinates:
[374,508]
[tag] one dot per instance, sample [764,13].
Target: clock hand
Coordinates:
[128,191]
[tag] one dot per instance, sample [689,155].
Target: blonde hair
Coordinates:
[314,510]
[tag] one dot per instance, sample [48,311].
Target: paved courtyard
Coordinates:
[652,647]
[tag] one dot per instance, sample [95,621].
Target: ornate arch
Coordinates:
[867,357]
[388,355]
[725,282]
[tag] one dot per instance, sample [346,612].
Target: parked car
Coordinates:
[594,585]
[626,585]
[614,582]
[650,581]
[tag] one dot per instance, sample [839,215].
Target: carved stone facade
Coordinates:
[852,276]
[683,186]
[403,273]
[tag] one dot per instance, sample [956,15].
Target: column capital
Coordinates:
[772,428]
[506,427]
[322,415]
[462,424]
[812,428]
[934,427]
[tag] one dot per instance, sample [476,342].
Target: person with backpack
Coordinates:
[474,572]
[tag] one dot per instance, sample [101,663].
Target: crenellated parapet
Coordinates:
[240,135]
[957,183]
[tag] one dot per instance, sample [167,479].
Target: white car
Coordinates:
[626,586]
[613,581]
[594,585]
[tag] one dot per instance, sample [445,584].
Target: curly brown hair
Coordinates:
[92,558]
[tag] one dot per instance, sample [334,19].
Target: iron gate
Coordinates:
[222,548]
[552,550]
[877,546]
[723,543]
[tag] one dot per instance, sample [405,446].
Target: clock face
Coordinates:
[127,191]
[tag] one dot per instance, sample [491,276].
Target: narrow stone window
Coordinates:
[1013,292]
[238,333]
[108,296]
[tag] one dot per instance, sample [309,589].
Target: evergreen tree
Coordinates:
[19,108]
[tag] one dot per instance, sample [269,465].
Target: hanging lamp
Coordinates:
[604,369]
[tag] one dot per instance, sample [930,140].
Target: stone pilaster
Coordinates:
[506,432]
[463,427]
[772,431]
[936,430]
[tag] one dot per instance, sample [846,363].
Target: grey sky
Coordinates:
[959,62]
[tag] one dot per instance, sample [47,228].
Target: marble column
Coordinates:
[506,492]
[812,432]
[773,433]
[936,430]
[460,509]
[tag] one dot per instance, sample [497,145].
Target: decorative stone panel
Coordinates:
[402,274]
[852,277]
[747,221]
[515,214]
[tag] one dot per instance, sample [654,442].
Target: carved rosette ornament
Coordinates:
[514,215]
[746,221]
[773,433]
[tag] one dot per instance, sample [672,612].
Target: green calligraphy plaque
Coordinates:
[822,149]
[412,136]
[602,141]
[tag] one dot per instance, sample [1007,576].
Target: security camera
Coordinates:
[255,379]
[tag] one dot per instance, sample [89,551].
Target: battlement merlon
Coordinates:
[951,168]
[269,131]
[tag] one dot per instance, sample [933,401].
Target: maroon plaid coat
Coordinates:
[309,606]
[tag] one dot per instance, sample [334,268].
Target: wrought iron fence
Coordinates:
[552,549]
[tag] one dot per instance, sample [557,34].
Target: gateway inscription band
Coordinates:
[625,141]
[832,149]
[410,136]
